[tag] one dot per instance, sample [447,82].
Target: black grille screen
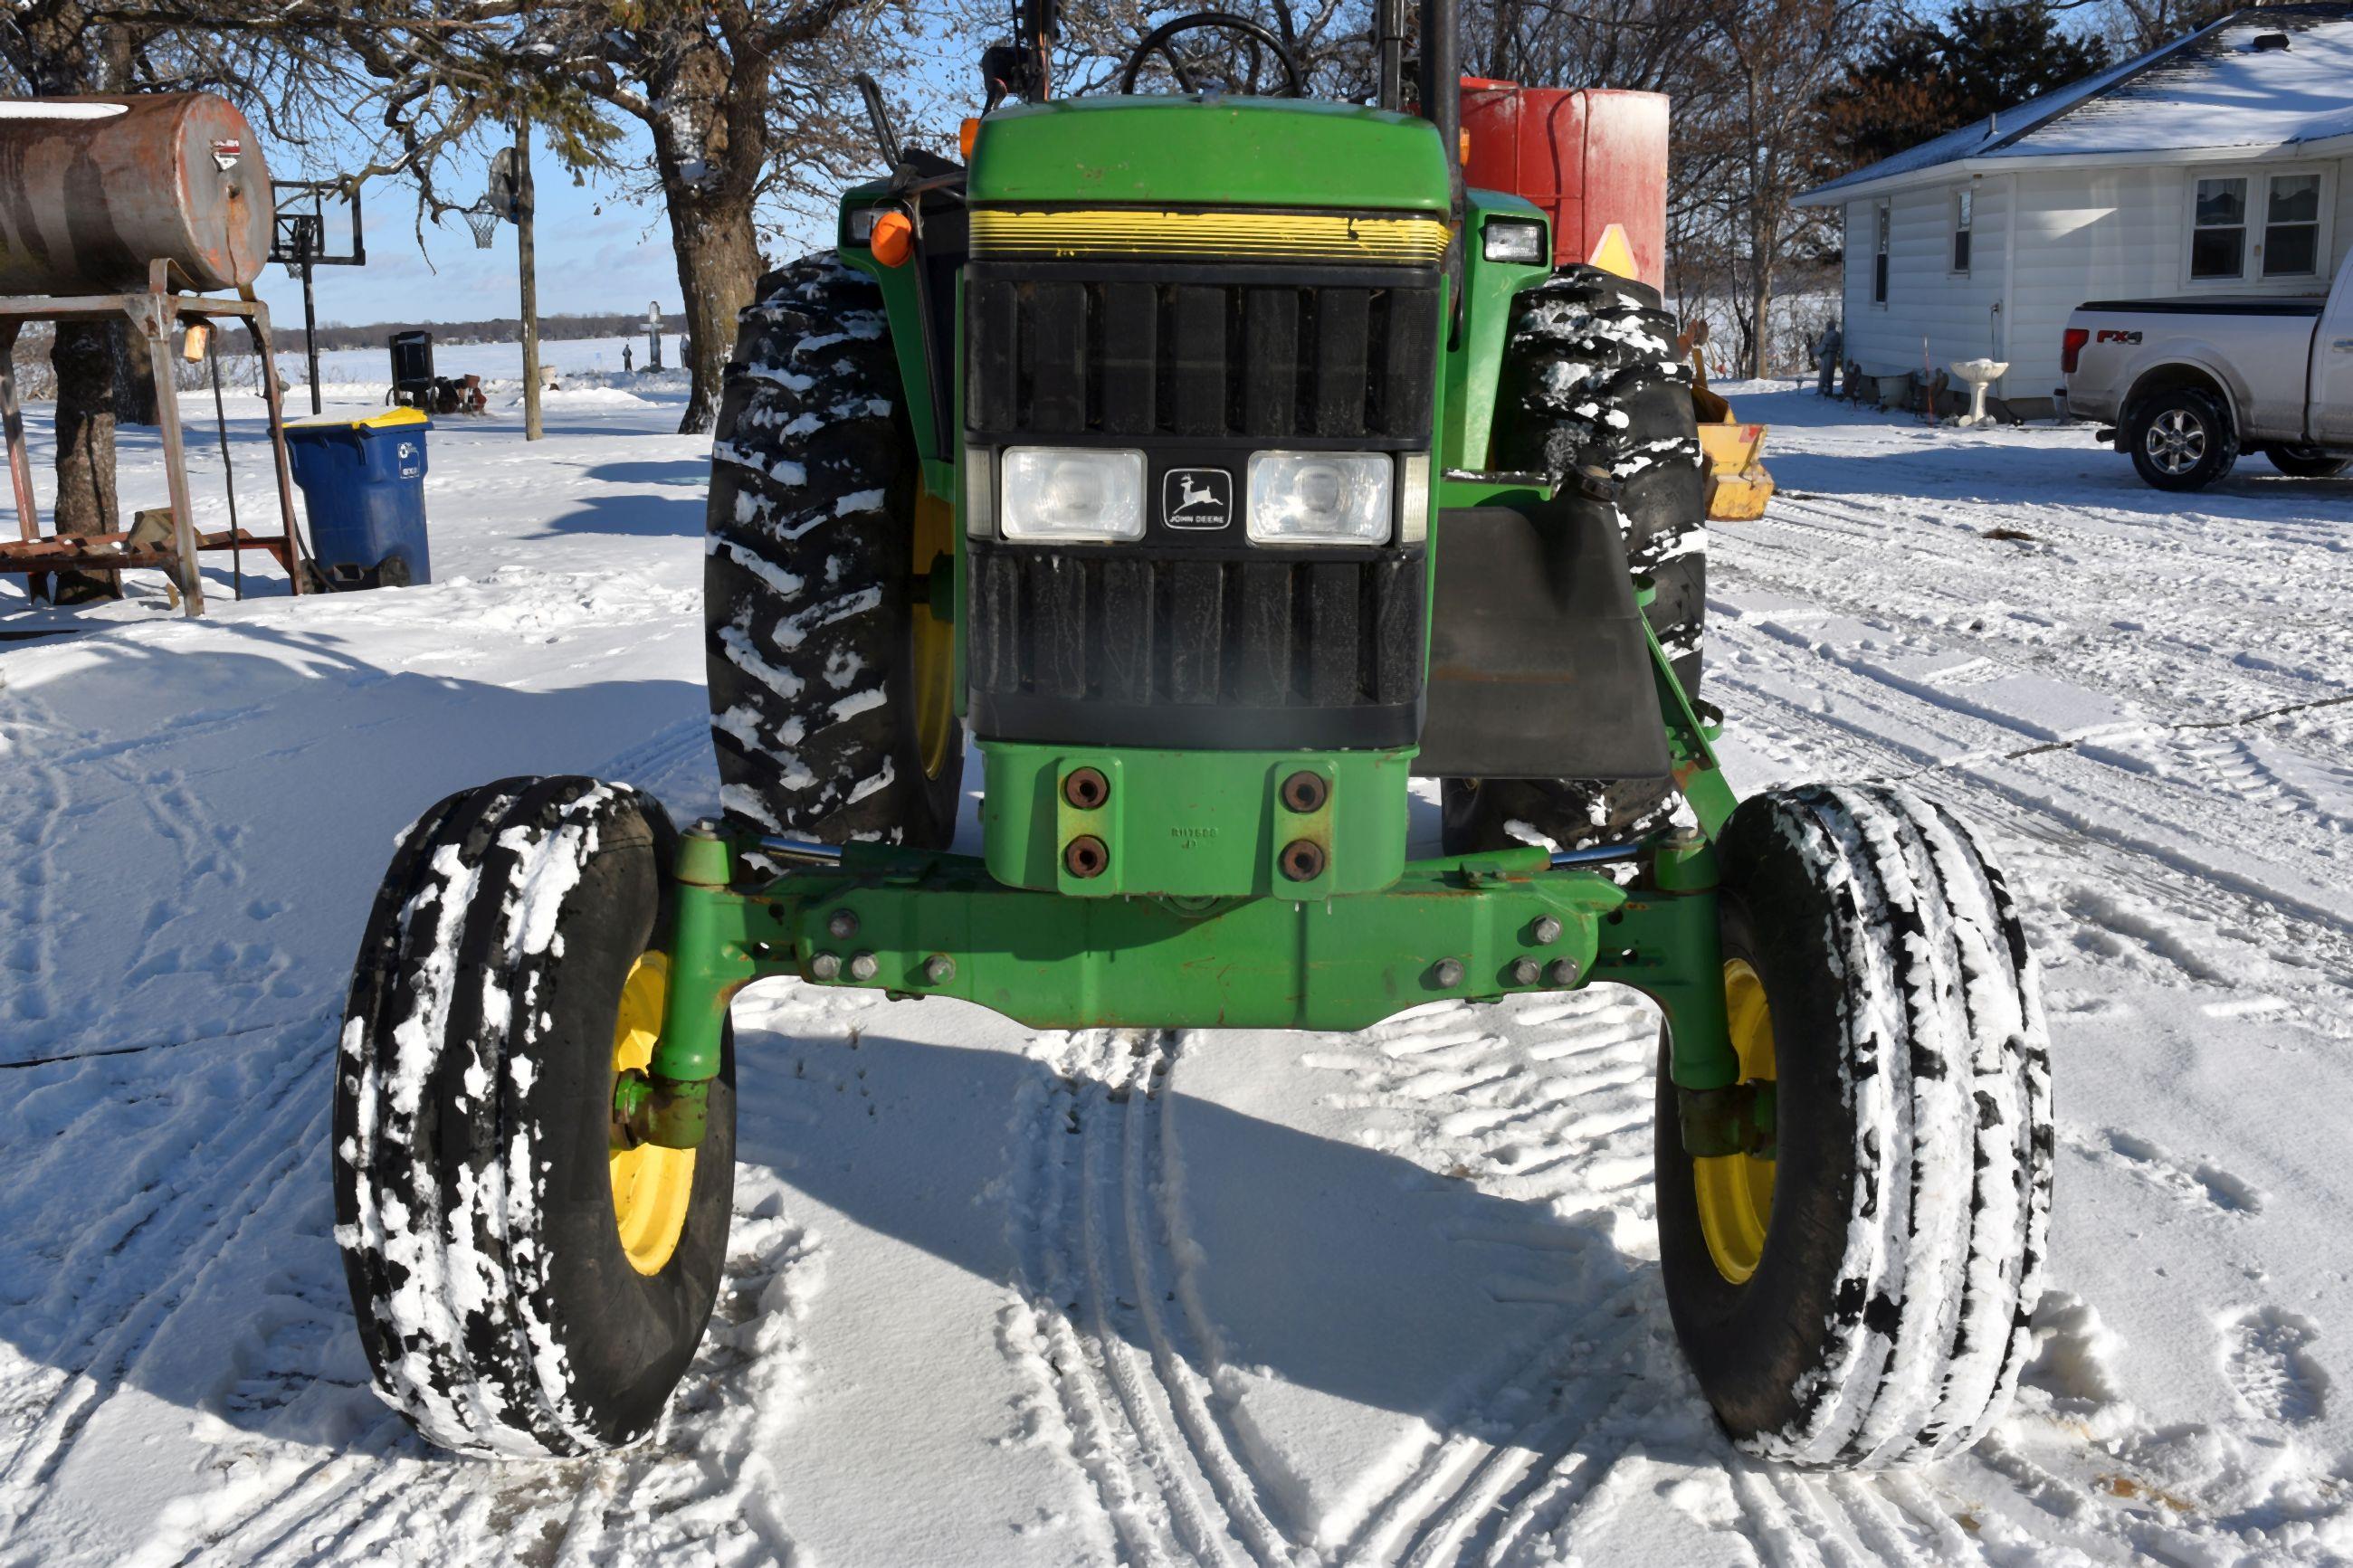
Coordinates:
[1054,356]
[1118,648]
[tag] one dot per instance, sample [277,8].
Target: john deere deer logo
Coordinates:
[1197,497]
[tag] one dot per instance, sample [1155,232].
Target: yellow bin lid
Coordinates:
[390,418]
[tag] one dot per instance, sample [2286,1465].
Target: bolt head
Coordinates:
[1306,791]
[1562,972]
[842,925]
[1525,972]
[1086,856]
[863,967]
[1548,931]
[939,968]
[1303,860]
[1447,972]
[824,965]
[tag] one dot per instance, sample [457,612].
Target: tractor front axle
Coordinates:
[917,923]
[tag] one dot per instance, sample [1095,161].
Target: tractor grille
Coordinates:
[1197,639]
[1123,648]
[1054,354]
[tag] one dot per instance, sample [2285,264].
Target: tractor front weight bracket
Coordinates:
[918,924]
[709,963]
[1663,943]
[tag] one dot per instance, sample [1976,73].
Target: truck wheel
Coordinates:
[1591,381]
[1859,1297]
[2182,440]
[832,684]
[522,1288]
[2306,462]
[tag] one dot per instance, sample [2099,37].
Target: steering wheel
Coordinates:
[1294,84]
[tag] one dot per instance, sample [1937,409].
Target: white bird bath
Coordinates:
[1979,374]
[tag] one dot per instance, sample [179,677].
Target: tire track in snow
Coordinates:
[1137,1396]
[181,1229]
[27,872]
[1854,558]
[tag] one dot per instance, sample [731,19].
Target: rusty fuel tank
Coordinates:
[93,189]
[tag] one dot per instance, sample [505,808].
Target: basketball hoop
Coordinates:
[484,220]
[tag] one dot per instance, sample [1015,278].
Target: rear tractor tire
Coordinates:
[522,1288]
[1859,1297]
[1592,383]
[832,684]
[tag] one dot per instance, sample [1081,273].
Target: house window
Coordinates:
[2257,226]
[2218,238]
[1964,213]
[1879,255]
[2292,227]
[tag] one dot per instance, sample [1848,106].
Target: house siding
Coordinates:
[1925,299]
[2083,233]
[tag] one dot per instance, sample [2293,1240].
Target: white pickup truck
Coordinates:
[2188,385]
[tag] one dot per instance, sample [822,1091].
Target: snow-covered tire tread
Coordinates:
[441,1184]
[807,569]
[1945,1055]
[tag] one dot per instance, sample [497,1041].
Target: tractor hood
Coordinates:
[1209,150]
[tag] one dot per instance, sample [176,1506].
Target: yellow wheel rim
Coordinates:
[932,651]
[651,1185]
[1736,1191]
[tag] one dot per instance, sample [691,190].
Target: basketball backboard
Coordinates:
[318,225]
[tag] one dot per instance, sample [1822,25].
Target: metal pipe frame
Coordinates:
[155,314]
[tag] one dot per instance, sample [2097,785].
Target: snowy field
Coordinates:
[1005,1299]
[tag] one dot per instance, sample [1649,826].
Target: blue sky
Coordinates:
[597,251]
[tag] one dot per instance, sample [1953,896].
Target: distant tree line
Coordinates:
[572,325]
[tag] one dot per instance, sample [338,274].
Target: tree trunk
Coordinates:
[83,357]
[718,264]
[135,392]
[708,150]
[1760,315]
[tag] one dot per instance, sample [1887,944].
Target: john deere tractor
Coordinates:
[1199,470]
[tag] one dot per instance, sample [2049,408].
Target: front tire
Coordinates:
[521,1289]
[1592,383]
[1862,1298]
[832,694]
[2182,440]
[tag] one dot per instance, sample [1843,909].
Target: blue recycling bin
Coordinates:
[364,486]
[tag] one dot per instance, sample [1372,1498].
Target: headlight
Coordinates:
[1320,497]
[1511,239]
[860,224]
[1072,494]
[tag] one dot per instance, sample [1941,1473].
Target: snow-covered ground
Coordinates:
[1001,1297]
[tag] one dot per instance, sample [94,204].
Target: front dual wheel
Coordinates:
[522,1287]
[1857,1294]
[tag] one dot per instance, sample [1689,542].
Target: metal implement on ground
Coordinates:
[133,213]
[1212,464]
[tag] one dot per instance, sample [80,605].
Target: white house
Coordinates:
[2216,165]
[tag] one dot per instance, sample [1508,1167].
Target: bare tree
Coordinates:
[748,107]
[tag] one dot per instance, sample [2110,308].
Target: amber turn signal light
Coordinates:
[893,239]
[967,135]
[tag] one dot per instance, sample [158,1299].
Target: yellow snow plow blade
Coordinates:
[1737,485]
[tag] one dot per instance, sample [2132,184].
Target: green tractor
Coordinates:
[1211,465]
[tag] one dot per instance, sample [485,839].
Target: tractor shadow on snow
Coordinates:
[1313,1262]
